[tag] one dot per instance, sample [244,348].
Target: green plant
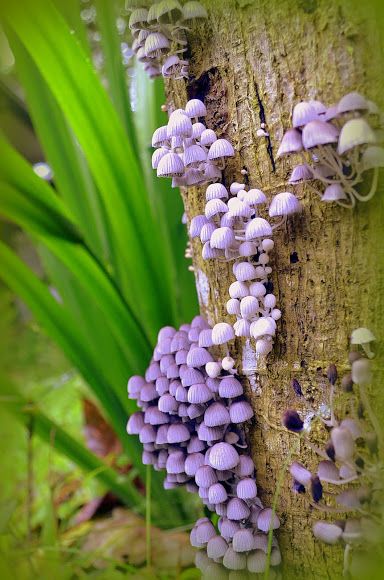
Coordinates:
[110,238]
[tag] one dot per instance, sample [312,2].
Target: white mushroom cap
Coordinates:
[354,133]
[362,336]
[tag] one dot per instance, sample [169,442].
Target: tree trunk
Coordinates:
[251,62]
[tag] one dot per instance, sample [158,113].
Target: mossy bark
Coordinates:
[250,63]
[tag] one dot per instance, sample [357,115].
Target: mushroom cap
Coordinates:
[352,102]
[243,541]
[327,532]
[223,456]
[170,165]
[222,238]
[242,328]
[362,336]
[193,10]
[216,191]
[300,473]
[199,393]
[230,388]
[318,133]
[303,113]
[244,271]
[222,333]
[198,357]
[208,137]
[333,192]
[240,411]
[246,488]
[254,197]
[234,560]
[155,42]
[177,433]
[195,108]
[285,203]
[290,143]
[194,154]
[216,415]
[214,207]
[300,172]
[354,133]
[237,509]
[205,476]
[217,493]
[267,519]
[216,547]
[220,148]
[256,562]
[372,157]
[135,423]
[263,326]
[258,228]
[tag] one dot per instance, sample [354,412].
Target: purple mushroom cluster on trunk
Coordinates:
[338,147]
[192,425]
[159,39]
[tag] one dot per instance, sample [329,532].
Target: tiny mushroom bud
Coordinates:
[363,336]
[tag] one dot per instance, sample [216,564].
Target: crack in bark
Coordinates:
[263,122]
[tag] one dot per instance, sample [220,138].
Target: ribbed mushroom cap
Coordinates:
[230,388]
[148,393]
[228,528]
[195,445]
[222,333]
[234,561]
[205,476]
[214,207]
[249,306]
[162,436]
[135,423]
[217,493]
[167,403]
[181,357]
[205,338]
[177,433]
[154,416]
[205,531]
[216,191]
[147,434]
[318,133]
[160,137]
[196,225]
[194,10]
[193,462]
[207,138]
[220,148]
[216,415]
[257,228]
[191,377]
[198,357]
[327,532]
[223,456]
[195,108]
[195,410]
[179,342]
[290,143]
[176,462]
[303,113]
[194,154]
[240,411]
[199,394]
[197,130]
[261,542]
[210,434]
[179,125]
[245,467]
[170,165]
[285,203]
[237,509]
[238,290]
[246,489]
[134,386]
[300,173]
[267,520]
[222,238]
[352,102]
[244,271]
[216,547]
[243,541]
[138,17]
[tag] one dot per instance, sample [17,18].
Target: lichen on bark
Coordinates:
[250,63]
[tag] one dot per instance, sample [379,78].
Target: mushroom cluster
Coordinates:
[338,147]
[159,36]
[349,459]
[192,425]
[232,229]
[187,151]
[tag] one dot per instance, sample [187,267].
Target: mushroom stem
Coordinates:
[372,417]
[372,191]
[280,223]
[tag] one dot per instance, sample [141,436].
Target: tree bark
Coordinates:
[251,62]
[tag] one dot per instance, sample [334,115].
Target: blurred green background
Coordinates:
[92,266]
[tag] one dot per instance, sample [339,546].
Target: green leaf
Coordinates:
[108,151]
